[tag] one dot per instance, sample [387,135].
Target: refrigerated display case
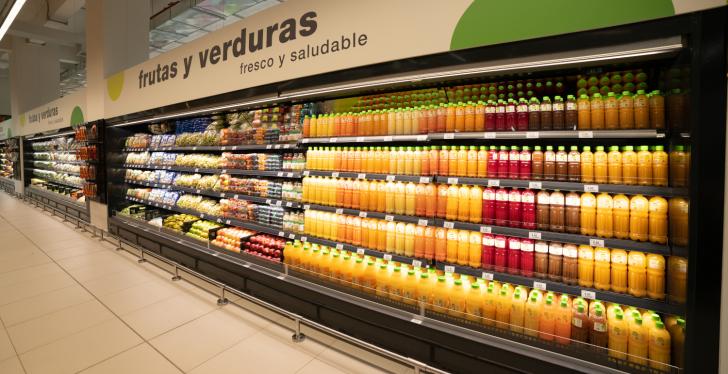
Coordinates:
[9,161]
[532,206]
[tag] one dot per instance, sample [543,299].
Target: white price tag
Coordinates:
[280,174]
[332,140]
[387,257]
[219,220]
[304,239]
[268,201]
[197,191]
[291,236]
[422,222]
[223,171]
[389,218]
[360,251]
[306,206]
[339,211]
[289,204]
[487,276]
[279,203]
[586,134]
[417,263]
[339,246]
[305,173]
[596,242]
[421,138]
[449,136]
[359,139]
[363,214]
[281,233]
[269,146]
[493,182]
[235,148]
[197,170]
[449,269]
[591,188]
[194,148]
[390,178]
[227,221]
[416,320]
[234,196]
[591,295]
[387,138]
[202,216]
[289,175]
[448,225]
[534,235]
[361,176]
[532,135]
[424,179]
[534,185]
[452,181]
[222,194]
[335,174]
[539,285]
[277,146]
[489,135]
[305,140]
[485,229]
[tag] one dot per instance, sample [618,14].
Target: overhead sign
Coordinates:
[303,38]
[64,112]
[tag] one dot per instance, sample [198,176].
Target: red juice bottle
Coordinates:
[501,207]
[492,162]
[514,255]
[500,116]
[487,253]
[488,206]
[522,115]
[524,168]
[514,161]
[500,253]
[511,115]
[514,208]
[528,210]
[527,257]
[503,162]
[490,110]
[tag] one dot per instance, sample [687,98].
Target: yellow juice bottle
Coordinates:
[604,215]
[586,266]
[452,245]
[382,281]
[409,288]
[659,166]
[476,204]
[489,304]
[618,336]
[534,307]
[614,165]
[602,268]
[463,250]
[638,342]
[399,238]
[639,218]
[644,166]
[518,309]
[474,303]
[409,161]
[601,166]
[462,163]
[503,306]
[620,206]
[658,220]
[396,288]
[588,214]
[409,240]
[655,276]
[452,203]
[464,203]
[637,273]
[410,197]
[424,290]
[441,296]
[475,249]
[457,299]
[619,271]
[629,165]
[659,347]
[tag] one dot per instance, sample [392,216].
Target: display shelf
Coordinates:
[219,194]
[367,139]
[61,199]
[55,171]
[215,148]
[552,134]
[61,183]
[260,173]
[567,186]
[369,176]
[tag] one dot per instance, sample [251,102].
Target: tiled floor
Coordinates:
[70,303]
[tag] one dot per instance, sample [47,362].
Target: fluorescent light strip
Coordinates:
[52,135]
[17,5]
[198,111]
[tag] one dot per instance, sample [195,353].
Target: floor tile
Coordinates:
[11,366]
[351,358]
[6,346]
[114,282]
[167,314]
[29,273]
[81,350]
[140,359]
[137,297]
[319,367]
[24,290]
[42,304]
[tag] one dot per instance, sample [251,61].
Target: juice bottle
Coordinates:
[441,118]
[655,276]
[399,121]
[421,200]
[511,115]
[482,162]
[562,164]
[514,163]
[522,115]
[490,116]
[641,110]
[501,207]
[474,303]
[637,273]
[492,168]
[474,249]
[658,220]
[678,167]
[614,163]
[400,200]
[489,304]
[500,253]
[431,157]
[626,111]
[537,163]
[601,162]
[677,284]
[571,264]
[514,208]
[472,162]
[390,192]
[463,207]
[475,209]
[452,202]
[533,311]
[549,164]
[574,164]
[452,158]
[602,269]
[469,117]
[571,115]
[677,337]
[356,194]
[463,247]
[487,251]
[562,326]
[518,309]
[410,198]
[547,322]
[440,244]
[556,211]
[479,119]
[546,111]
[541,259]
[503,162]
[424,289]
[657,110]
[452,246]
[443,162]
[638,218]
[391,236]
[598,336]
[572,213]
[638,342]
[584,112]
[527,258]
[604,217]
[488,209]
[586,266]
[597,112]
[556,259]
[458,298]
[543,214]
[528,209]
[659,166]
[524,163]
[369,281]
[514,255]
[644,166]
[503,306]
[629,165]
[659,347]
[611,112]
[579,322]
[450,117]
[460,117]
[442,194]
[409,239]
[399,236]
[620,204]
[534,114]
[619,270]
[618,336]
[678,212]
[462,164]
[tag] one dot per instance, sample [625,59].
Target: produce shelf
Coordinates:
[369,176]
[60,183]
[215,148]
[58,198]
[367,139]
[55,171]
[260,173]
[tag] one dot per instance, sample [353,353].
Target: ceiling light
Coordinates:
[17,5]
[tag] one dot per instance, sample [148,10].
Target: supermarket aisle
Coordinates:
[70,303]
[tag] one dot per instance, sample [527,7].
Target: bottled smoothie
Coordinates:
[588,214]
[500,116]
[626,111]
[534,114]
[571,115]
[655,276]
[562,164]
[555,261]
[514,163]
[503,306]
[562,328]
[620,206]
[611,112]
[637,273]
[490,114]
[463,248]
[678,208]
[586,167]
[598,336]
[677,283]
[528,209]
[487,251]
[614,163]
[541,259]
[489,203]
[572,213]
[492,168]
[527,258]
[658,220]
[574,164]
[657,110]
[500,254]
[579,322]
[549,164]
[474,303]
[443,161]
[641,111]
[659,347]
[482,162]
[501,207]
[537,163]
[618,336]
[442,194]
[604,217]
[556,211]
[584,112]
[518,309]
[679,167]
[570,267]
[474,249]
[511,115]
[475,208]
[441,298]
[546,111]
[489,304]
[429,234]
[586,266]
[514,208]
[514,255]
[597,112]
[534,308]
[458,299]
[677,337]
[638,218]
[602,269]
[440,244]
[452,202]
[503,162]
[524,163]
[424,288]
[629,165]
[469,117]
[644,166]
[522,115]
[659,166]
[452,245]
[543,214]
[463,203]
[558,117]
[472,162]
[601,162]
[479,118]
[547,322]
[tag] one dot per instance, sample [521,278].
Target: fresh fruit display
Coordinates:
[176,221]
[201,229]
[266,246]
[138,141]
[137,158]
[261,187]
[198,160]
[199,204]
[231,238]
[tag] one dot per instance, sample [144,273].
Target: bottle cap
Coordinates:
[614,148]
[628,148]
[583,96]
[600,148]
[424,275]
[659,148]
[597,96]
[679,148]
[458,282]
[441,278]
[640,92]
[561,148]
[474,285]
[644,148]
[526,148]
[587,148]
[549,148]
[537,148]
[575,148]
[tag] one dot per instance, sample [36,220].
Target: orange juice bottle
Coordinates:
[407,121]
[534,307]
[614,163]
[482,162]
[503,306]
[452,158]
[469,117]
[588,213]
[475,250]
[587,165]
[424,289]
[409,239]
[562,325]
[429,252]
[618,335]
[677,284]
[462,162]
[518,309]
[442,197]
[399,232]
[460,117]
[619,270]
[399,198]
[629,165]
[369,279]
[659,166]
[382,196]
[474,303]
[472,161]
[391,122]
[679,165]
[441,297]
[602,269]
[659,347]
[604,215]
[463,204]
[597,112]
[440,244]
[450,117]
[365,233]
[637,273]
[678,213]
[658,220]
[420,160]
[452,202]
[433,158]
[443,167]
[391,236]
[655,276]
[638,342]
[601,162]
[356,194]
[644,166]
[476,204]
[366,199]
[547,322]
[409,287]
[620,205]
[583,113]
[638,218]
[479,117]
[401,160]
[458,299]
[452,246]
[420,242]
[396,287]
[430,196]
[399,121]
[409,198]
[390,197]
[586,266]
[420,200]
[409,161]
[489,304]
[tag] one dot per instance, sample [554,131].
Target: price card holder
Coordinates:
[485,229]
[424,179]
[534,185]
[448,225]
[489,135]
[279,174]
[389,218]
[449,269]
[234,148]
[360,251]
[339,211]
[335,174]
[586,134]
[305,173]
[421,138]
[596,242]
[591,188]
[590,295]
[449,136]
[227,221]
[363,214]
[269,146]
[339,246]
[534,235]
[388,138]
[417,263]
[487,276]
[422,222]
[291,236]
[493,183]
[306,206]
[387,257]
[304,239]
[332,140]
[359,139]
[361,176]
[539,285]
[279,203]
[277,146]
[281,233]
[390,178]
[452,181]
[532,135]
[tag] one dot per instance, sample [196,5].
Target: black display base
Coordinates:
[63,205]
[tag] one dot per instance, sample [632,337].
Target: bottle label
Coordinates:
[556,199]
[583,105]
[558,106]
[510,109]
[490,109]
[526,247]
[527,198]
[546,107]
[653,263]
[570,106]
[514,244]
[469,110]
[576,322]
[501,109]
[480,109]
[572,200]
[459,111]
[534,107]
[541,248]
[522,108]
[570,251]
[550,156]
[562,157]
[544,198]
[600,326]
[574,157]
[610,104]
[625,103]
[514,156]
[488,241]
[488,194]
[501,195]
[525,156]
[500,242]
[601,256]
[514,197]
[556,250]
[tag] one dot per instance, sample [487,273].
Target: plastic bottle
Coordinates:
[678,167]
[562,326]
[463,203]
[534,114]
[638,342]
[472,162]
[677,337]
[574,165]
[503,162]
[528,209]
[443,161]
[557,211]
[452,246]
[579,322]
[503,306]
[556,251]
[584,112]
[570,267]
[586,266]
[474,303]
[489,304]
[492,168]
[518,309]
[462,162]
[541,260]
[657,110]
[440,244]
[641,110]
[614,161]
[489,203]
[655,276]
[677,283]
[626,111]
[597,112]
[546,110]
[515,208]
[482,162]
[522,115]
[637,273]
[543,214]
[658,208]
[458,299]
[604,217]
[602,269]
[562,164]
[549,164]
[524,164]
[611,112]
[619,270]
[501,207]
[514,163]
[475,205]
[463,248]
[452,202]
[659,347]
[621,210]
[441,297]
[537,163]
[571,117]
[547,322]
[638,218]
[601,162]
[453,160]
[500,253]
[533,311]
[572,213]
[588,214]
[514,255]
[629,166]
[487,252]
[479,117]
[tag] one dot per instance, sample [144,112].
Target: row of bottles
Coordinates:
[646,167]
[638,336]
[633,272]
[641,111]
[636,218]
